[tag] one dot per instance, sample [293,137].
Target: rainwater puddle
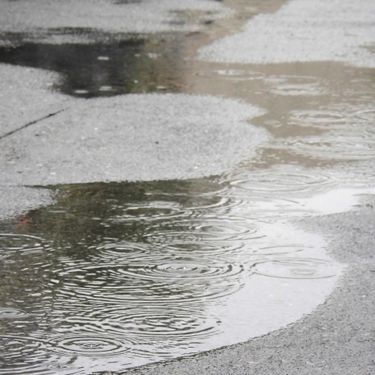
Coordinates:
[105,69]
[123,274]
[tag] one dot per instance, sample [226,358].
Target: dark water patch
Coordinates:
[106,68]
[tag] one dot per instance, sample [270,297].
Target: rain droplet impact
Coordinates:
[12,313]
[295,268]
[279,182]
[20,242]
[346,133]
[180,270]
[295,86]
[89,345]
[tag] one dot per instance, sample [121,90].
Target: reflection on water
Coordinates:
[108,68]
[130,273]
[319,113]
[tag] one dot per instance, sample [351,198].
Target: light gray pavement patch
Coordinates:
[338,338]
[133,137]
[25,97]
[303,30]
[144,16]
[15,200]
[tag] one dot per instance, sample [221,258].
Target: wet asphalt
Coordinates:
[337,338]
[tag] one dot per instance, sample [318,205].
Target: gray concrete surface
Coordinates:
[303,31]
[26,96]
[47,19]
[15,200]
[132,137]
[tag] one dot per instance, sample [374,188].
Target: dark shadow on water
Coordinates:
[84,214]
[107,68]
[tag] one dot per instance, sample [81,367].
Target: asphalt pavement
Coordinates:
[49,138]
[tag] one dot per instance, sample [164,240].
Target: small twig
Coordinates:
[31,123]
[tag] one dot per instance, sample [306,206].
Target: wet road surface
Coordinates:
[240,228]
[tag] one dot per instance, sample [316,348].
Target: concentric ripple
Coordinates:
[348,133]
[295,86]
[334,147]
[12,313]
[184,270]
[89,345]
[295,268]
[156,322]
[321,119]
[366,115]
[25,355]
[151,210]
[207,229]
[179,280]
[20,242]
[280,182]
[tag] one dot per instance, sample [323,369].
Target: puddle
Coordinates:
[106,69]
[132,273]
[318,113]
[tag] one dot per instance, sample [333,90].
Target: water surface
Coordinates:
[115,67]
[123,274]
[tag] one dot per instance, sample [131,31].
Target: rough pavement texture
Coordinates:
[146,16]
[132,137]
[319,30]
[15,200]
[26,96]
